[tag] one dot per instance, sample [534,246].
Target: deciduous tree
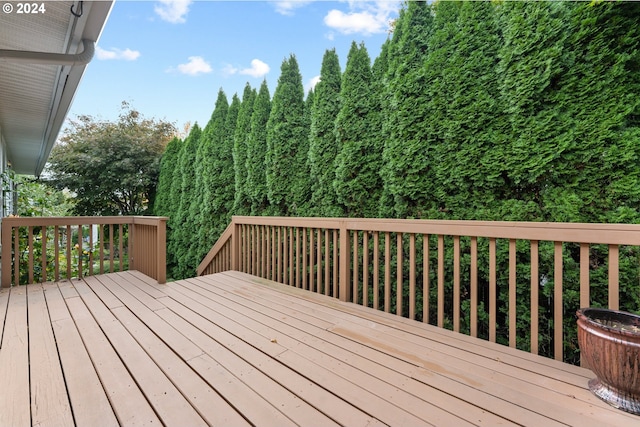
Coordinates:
[112,167]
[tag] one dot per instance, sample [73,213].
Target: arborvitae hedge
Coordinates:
[323,146]
[287,138]
[256,151]
[168,163]
[182,194]
[357,181]
[406,168]
[242,202]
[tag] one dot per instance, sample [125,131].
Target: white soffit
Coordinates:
[35,99]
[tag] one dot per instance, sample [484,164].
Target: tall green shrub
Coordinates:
[323,146]
[256,181]
[357,182]
[406,169]
[287,141]
[182,193]
[242,202]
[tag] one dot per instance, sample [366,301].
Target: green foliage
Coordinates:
[530,67]
[357,182]
[112,167]
[406,168]
[182,193]
[168,163]
[287,142]
[256,149]
[464,110]
[242,203]
[216,177]
[323,146]
[36,198]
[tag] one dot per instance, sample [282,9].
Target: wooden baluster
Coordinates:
[440,281]
[492,290]
[557,302]
[399,281]
[474,287]
[535,284]
[456,283]
[512,293]
[376,270]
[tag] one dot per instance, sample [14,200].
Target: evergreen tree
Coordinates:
[219,179]
[465,119]
[242,202]
[182,194]
[357,183]
[323,146]
[200,217]
[380,70]
[407,161]
[164,205]
[287,146]
[256,150]
[168,163]
[592,173]
[533,57]
[302,189]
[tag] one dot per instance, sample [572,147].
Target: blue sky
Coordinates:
[169,58]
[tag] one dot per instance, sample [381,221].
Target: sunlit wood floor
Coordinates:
[231,349]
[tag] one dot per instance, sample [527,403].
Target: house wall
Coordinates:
[6,183]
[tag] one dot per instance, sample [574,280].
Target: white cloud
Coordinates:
[228,70]
[312,83]
[363,17]
[174,11]
[258,69]
[196,65]
[113,53]
[353,22]
[287,7]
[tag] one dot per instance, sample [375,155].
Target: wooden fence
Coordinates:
[40,249]
[471,275]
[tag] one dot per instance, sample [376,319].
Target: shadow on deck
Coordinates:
[233,349]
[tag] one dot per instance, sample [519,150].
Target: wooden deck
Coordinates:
[232,349]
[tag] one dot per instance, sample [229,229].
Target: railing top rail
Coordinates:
[621,234]
[18,221]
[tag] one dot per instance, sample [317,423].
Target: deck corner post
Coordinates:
[344,257]
[161,248]
[5,280]
[235,245]
[132,244]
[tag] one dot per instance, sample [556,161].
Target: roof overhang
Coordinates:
[37,89]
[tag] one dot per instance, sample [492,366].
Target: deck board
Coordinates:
[14,362]
[88,399]
[234,349]
[49,399]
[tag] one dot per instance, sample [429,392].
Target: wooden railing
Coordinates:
[40,249]
[482,278]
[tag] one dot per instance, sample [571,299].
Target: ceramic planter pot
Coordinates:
[609,341]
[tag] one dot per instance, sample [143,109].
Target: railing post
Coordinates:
[132,244]
[161,250]
[6,254]
[235,245]
[344,255]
